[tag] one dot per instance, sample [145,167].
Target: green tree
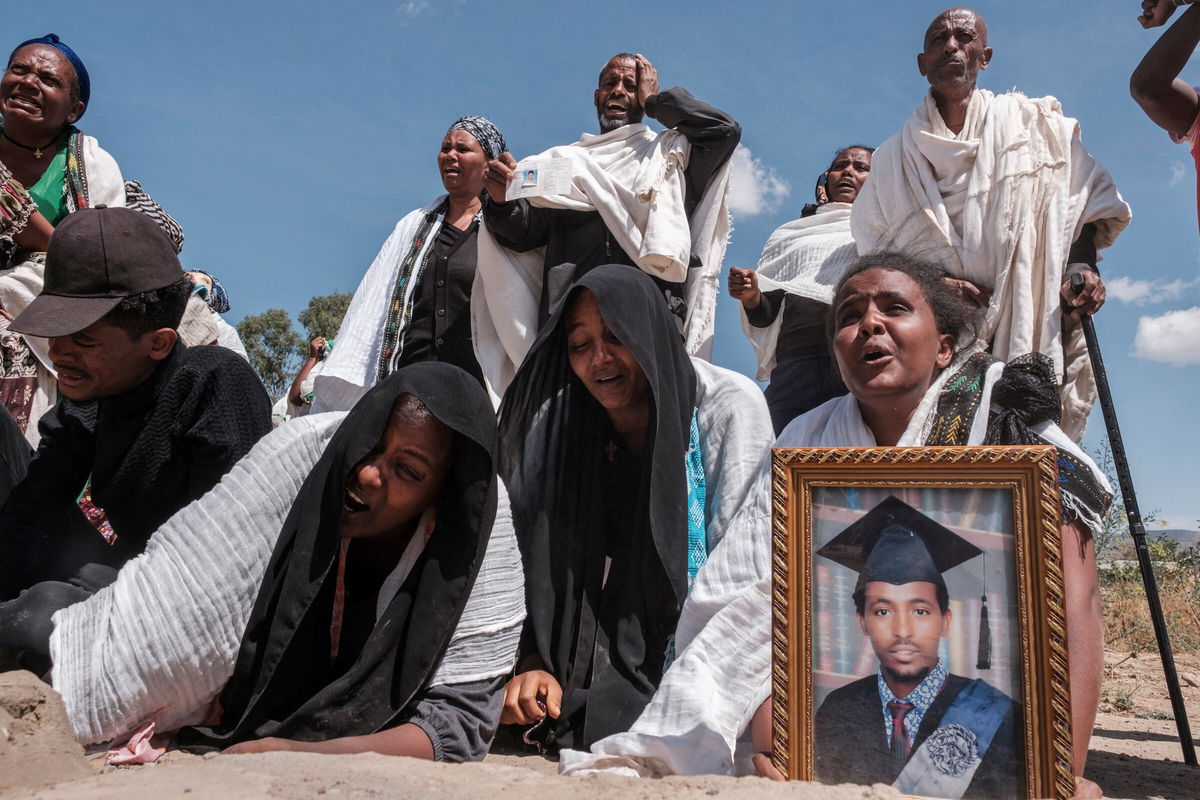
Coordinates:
[324,313]
[274,347]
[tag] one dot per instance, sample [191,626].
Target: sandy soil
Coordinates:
[1135,754]
[1135,750]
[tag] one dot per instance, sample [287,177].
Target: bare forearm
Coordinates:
[404,740]
[36,235]
[295,396]
[1170,102]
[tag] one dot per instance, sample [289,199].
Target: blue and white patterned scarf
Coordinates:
[697,497]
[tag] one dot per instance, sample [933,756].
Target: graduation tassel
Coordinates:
[985,637]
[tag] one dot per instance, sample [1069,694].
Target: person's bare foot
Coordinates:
[1086,790]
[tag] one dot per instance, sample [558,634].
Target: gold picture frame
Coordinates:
[1036,654]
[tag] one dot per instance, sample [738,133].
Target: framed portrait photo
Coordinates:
[919,638]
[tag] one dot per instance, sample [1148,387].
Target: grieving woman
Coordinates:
[44,91]
[625,459]
[414,303]
[904,345]
[785,299]
[387,615]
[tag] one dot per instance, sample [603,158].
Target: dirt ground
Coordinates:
[1135,750]
[1135,754]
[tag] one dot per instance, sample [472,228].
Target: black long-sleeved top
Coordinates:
[440,329]
[148,453]
[580,237]
[803,322]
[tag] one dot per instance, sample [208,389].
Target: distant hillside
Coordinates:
[1184,537]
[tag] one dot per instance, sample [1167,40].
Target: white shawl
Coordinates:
[353,366]
[999,205]
[161,641]
[23,282]
[635,179]
[805,257]
[735,432]
[697,721]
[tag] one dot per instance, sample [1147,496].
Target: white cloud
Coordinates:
[1172,338]
[1178,172]
[1142,293]
[414,8]
[754,188]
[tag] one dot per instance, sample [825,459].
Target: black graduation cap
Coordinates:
[895,543]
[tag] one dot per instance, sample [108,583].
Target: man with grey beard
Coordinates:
[580,239]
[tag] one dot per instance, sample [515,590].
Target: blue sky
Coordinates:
[288,138]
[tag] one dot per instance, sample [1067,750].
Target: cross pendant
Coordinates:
[37,153]
[611,449]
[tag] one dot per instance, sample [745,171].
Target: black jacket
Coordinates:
[850,746]
[148,452]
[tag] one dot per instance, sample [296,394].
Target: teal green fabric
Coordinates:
[48,191]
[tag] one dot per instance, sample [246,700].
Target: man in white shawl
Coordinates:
[1000,190]
[652,200]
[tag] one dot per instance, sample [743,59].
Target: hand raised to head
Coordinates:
[647,79]
[499,172]
[1156,12]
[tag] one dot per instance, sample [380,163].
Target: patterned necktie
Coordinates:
[899,734]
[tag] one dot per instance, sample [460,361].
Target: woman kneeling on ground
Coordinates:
[625,459]
[386,618]
[901,308]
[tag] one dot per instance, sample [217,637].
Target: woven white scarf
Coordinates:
[634,178]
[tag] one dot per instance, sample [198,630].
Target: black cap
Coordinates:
[97,257]
[895,543]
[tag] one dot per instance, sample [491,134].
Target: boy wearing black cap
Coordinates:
[148,424]
[913,725]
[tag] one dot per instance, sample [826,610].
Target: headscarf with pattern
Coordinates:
[487,134]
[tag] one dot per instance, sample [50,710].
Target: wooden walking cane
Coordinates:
[1138,531]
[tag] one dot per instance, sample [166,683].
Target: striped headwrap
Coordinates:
[487,134]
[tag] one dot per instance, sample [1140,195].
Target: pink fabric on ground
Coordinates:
[138,749]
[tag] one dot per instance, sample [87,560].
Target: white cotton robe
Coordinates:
[634,178]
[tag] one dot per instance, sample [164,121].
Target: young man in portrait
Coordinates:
[913,724]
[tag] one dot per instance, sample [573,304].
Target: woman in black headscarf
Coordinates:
[368,581]
[624,459]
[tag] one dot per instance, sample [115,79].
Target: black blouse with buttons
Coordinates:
[440,329]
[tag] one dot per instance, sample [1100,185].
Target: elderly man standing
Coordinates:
[652,200]
[1000,190]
